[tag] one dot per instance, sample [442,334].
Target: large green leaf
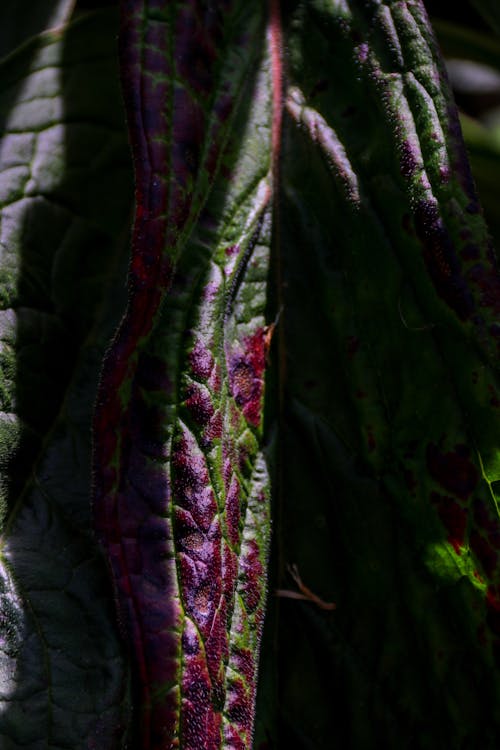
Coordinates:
[65,200]
[390,433]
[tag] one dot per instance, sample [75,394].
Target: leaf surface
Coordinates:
[388,336]
[181,482]
[65,198]
[390,433]
[383,301]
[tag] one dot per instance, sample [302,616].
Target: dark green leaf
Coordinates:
[65,198]
[390,428]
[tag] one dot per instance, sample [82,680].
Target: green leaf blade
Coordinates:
[63,670]
[390,437]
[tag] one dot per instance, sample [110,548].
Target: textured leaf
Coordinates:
[384,299]
[181,483]
[390,432]
[64,198]
[390,331]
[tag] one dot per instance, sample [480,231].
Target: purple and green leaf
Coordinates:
[181,484]
[335,206]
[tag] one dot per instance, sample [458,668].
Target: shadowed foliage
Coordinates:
[309,333]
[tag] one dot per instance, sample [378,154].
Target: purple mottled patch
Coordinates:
[460,161]
[217,650]
[410,158]
[213,430]
[201,360]
[251,572]
[199,403]
[198,587]
[239,701]
[191,540]
[136,539]
[197,716]
[192,488]
[198,37]
[246,373]
[244,662]
[166,534]
[232,739]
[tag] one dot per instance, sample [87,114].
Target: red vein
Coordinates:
[275,36]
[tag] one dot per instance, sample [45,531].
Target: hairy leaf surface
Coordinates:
[181,483]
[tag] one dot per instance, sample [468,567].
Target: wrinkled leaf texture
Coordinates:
[354,224]
[181,482]
[65,209]
[390,432]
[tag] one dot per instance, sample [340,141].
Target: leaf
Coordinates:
[382,296]
[65,199]
[481,135]
[390,427]
[22,20]
[181,483]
